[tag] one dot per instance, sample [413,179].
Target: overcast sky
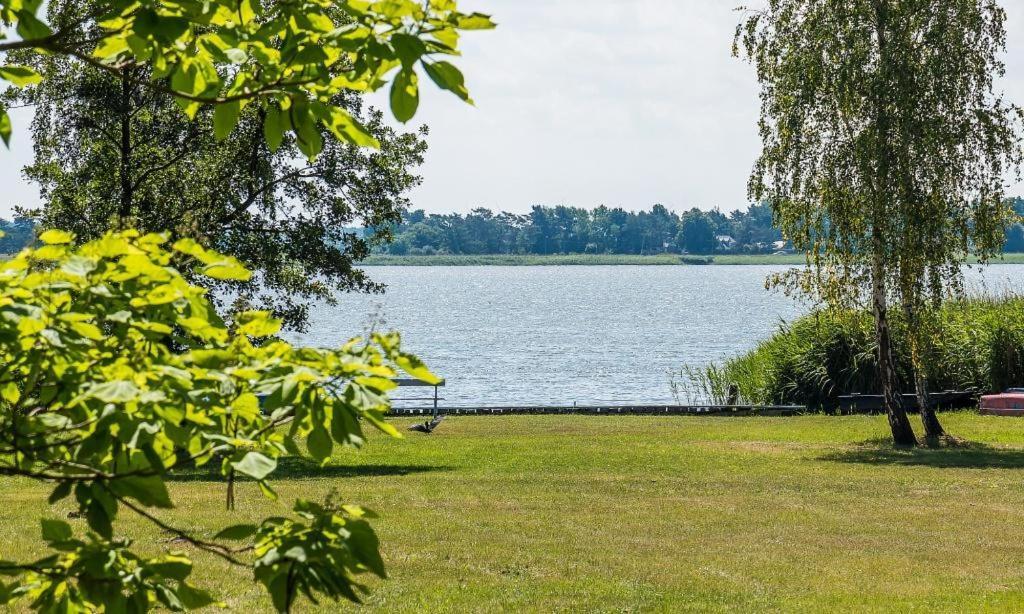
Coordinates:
[589,102]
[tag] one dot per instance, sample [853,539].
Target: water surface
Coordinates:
[564,334]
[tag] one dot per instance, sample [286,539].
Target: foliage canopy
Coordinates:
[291,58]
[117,371]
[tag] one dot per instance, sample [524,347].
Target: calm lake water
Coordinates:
[562,334]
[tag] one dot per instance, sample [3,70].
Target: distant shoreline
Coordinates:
[606,260]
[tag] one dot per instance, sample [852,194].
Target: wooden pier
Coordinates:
[607,410]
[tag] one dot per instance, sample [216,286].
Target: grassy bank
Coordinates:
[979,345]
[602,259]
[539,513]
[521,260]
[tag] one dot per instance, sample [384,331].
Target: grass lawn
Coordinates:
[545,513]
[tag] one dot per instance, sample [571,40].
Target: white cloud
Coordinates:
[586,102]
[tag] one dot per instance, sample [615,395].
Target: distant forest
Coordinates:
[573,230]
[570,230]
[18,233]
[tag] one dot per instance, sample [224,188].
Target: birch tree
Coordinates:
[885,148]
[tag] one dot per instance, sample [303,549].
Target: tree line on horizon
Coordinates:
[569,230]
[574,230]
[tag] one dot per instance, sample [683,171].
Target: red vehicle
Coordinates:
[1009,403]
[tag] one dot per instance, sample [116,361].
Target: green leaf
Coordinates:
[225,118]
[273,128]
[405,95]
[174,566]
[169,598]
[10,392]
[416,368]
[307,134]
[149,490]
[228,269]
[365,546]
[5,126]
[61,491]
[347,129]
[236,55]
[255,465]
[56,237]
[267,491]
[20,76]
[117,391]
[258,324]
[29,26]
[79,266]
[237,532]
[193,598]
[476,21]
[98,519]
[408,48]
[192,248]
[448,77]
[56,530]
[110,48]
[319,442]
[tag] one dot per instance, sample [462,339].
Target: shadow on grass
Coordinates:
[963,455]
[291,468]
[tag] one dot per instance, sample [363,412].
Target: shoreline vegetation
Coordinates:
[607,260]
[977,344]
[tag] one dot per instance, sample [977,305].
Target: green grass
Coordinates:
[520,260]
[544,513]
[603,259]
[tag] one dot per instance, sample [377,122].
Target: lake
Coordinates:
[553,335]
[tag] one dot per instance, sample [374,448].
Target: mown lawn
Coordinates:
[540,513]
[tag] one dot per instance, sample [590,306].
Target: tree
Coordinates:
[116,370]
[884,152]
[1015,233]
[1015,239]
[696,233]
[111,152]
[280,56]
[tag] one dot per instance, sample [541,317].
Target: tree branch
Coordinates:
[213,548]
[162,167]
[241,208]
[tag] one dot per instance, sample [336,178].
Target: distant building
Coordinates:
[725,241]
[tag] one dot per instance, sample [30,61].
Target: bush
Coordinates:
[978,345]
[698,260]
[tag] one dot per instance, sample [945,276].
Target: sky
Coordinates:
[587,102]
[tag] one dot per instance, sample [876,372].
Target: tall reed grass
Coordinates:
[978,344]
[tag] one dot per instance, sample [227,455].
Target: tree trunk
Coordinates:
[902,431]
[933,430]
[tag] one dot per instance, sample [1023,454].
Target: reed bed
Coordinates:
[977,344]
